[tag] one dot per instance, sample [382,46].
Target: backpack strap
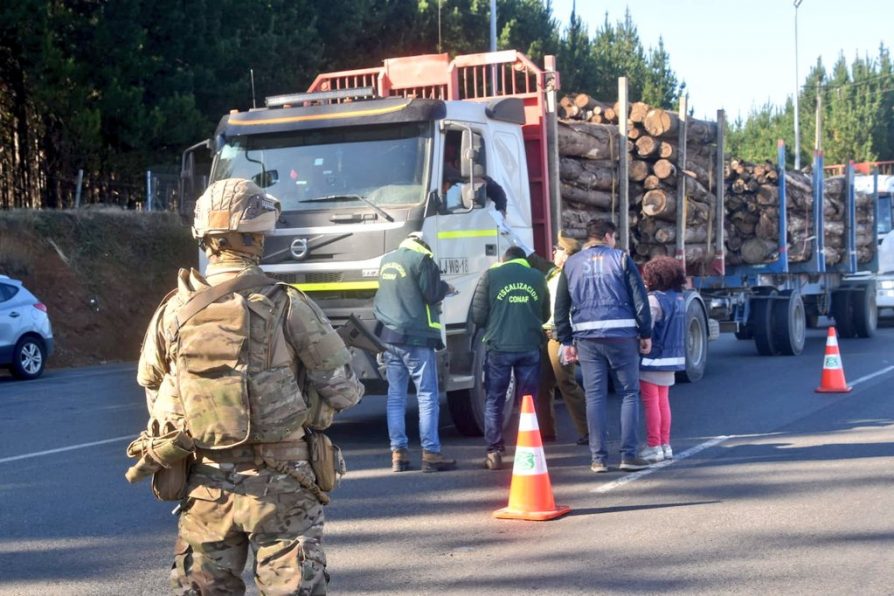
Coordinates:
[203,298]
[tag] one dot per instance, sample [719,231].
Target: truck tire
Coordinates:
[467,405]
[843,312]
[865,310]
[789,322]
[761,324]
[696,343]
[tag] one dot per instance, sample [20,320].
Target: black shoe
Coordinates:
[632,464]
[584,440]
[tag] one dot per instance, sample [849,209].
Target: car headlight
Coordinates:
[888,284]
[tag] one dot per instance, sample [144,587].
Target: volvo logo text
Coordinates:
[298,248]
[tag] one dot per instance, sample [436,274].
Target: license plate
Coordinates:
[454,266]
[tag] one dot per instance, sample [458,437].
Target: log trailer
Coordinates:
[358,162]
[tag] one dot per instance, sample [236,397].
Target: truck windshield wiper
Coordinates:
[354,197]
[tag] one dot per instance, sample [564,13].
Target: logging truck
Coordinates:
[359,160]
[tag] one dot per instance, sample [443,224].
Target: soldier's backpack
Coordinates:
[234,386]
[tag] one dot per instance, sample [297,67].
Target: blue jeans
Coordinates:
[498,368]
[401,364]
[620,359]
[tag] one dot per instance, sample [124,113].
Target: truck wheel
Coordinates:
[843,312]
[696,343]
[789,323]
[467,405]
[865,310]
[761,324]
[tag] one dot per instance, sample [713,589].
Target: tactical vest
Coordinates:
[233,367]
[668,334]
[601,303]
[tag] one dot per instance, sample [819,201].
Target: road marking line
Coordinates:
[875,374]
[61,449]
[663,464]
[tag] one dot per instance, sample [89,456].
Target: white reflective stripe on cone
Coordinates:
[832,340]
[529,461]
[527,422]
[832,362]
[609,324]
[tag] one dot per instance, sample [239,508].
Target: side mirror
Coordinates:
[470,151]
[266,179]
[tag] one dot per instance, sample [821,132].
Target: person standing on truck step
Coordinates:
[664,278]
[240,373]
[554,373]
[407,306]
[603,321]
[510,303]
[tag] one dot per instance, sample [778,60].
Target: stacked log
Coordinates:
[752,216]
[589,147]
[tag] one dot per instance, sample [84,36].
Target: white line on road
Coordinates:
[655,467]
[61,449]
[875,374]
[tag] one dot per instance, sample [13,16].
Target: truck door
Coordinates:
[467,238]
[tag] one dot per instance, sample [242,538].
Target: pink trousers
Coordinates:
[658,413]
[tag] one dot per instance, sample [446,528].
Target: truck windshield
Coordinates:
[332,168]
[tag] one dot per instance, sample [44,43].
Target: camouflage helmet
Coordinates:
[235,205]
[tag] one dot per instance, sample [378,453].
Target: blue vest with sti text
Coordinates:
[601,305]
[668,334]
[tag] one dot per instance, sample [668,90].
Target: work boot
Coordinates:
[400,460]
[494,460]
[435,462]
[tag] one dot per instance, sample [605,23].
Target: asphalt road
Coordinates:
[775,489]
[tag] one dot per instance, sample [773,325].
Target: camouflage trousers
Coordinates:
[226,514]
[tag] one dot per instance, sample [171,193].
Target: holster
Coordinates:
[166,458]
[326,460]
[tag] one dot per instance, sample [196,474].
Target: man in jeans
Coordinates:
[511,303]
[407,304]
[603,321]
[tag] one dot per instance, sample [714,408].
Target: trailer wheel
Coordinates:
[696,343]
[761,324]
[865,310]
[843,312]
[467,405]
[789,323]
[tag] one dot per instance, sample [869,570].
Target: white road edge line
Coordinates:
[870,376]
[61,449]
[655,467]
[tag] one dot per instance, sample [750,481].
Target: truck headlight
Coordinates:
[887,284]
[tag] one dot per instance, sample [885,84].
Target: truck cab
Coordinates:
[366,157]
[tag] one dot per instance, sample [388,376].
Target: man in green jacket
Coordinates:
[408,306]
[511,303]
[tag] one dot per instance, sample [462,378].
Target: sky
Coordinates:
[740,55]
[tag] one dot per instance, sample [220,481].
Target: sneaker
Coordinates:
[494,460]
[598,467]
[435,462]
[584,440]
[400,460]
[632,464]
[668,452]
[652,454]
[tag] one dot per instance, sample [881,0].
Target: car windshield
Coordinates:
[332,168]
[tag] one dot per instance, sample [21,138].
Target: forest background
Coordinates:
[113,88]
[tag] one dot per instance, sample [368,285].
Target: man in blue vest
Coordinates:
[603,321]
[407,304]
[511,303]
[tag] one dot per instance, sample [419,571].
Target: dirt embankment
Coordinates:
[101,274]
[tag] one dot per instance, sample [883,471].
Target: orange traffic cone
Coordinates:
[531,494]
[833,373]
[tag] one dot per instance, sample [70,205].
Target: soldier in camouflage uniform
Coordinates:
[244,377]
